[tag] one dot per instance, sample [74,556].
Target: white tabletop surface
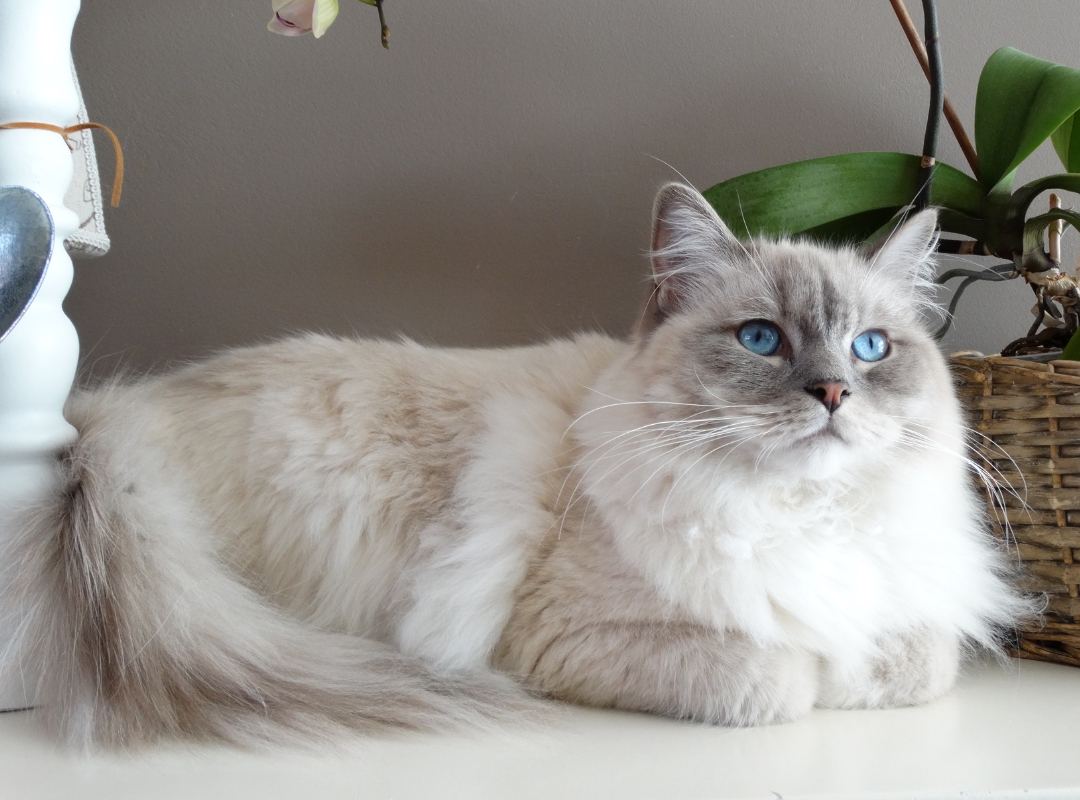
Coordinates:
[1004,733]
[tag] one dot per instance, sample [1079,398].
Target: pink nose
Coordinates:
[830,393]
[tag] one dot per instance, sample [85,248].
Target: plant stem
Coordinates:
[1057,227]
[385,27]
[951,116]
[937,97]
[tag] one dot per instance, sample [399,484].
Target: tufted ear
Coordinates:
[909,250]
[689,241]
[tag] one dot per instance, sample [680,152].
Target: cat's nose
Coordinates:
[830,393]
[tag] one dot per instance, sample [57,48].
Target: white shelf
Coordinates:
[1004,733]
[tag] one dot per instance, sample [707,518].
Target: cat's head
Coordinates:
[793,354]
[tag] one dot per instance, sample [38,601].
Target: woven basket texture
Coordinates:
[1029,417]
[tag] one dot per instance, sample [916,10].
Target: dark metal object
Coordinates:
[26,242]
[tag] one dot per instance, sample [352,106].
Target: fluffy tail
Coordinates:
[138,634]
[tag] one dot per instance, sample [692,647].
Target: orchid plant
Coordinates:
[297,17]
[1021,102]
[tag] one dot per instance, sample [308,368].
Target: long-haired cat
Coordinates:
[756,505]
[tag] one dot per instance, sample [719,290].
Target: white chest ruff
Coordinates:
[825,566]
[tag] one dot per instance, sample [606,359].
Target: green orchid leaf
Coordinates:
[1072,349]
[369,2]
[819,194]
[948,220]
[1066,146]
[1034,227]
[1026,194]
[966,225]
[1020,102]
[853,229]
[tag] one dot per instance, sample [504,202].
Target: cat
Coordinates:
[757,504]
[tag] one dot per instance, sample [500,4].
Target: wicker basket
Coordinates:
[1029,414]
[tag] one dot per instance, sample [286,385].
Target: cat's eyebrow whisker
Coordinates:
[669,166]
[764,274]
[889,237]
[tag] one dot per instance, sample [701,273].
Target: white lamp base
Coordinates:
[39,356]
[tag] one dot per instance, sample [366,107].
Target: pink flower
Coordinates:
[297,17]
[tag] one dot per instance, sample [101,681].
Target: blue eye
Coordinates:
[760,337]
[870,346]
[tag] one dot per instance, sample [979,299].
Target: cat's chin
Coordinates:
[821,456]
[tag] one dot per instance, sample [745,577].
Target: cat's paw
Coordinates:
[777,685]
[910,668]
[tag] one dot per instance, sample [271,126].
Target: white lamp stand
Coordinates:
[39,356]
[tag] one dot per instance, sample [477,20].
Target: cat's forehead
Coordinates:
[809,287]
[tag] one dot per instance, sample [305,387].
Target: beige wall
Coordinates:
[489,179]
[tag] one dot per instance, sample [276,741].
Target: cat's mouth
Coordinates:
[822,451]
[828,433]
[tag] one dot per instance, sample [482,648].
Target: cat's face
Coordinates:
[788,355]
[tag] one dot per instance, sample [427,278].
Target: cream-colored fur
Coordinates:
[323,534]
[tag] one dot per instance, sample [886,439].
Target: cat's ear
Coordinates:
[688,241]
[909,250]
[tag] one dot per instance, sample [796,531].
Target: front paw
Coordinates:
[908,669]
[778,685]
